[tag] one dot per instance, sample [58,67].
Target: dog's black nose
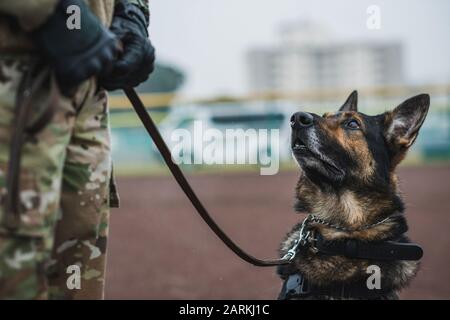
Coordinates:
[301,119]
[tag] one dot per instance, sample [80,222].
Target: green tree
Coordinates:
[165,78]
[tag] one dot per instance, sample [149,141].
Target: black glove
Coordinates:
[138,57]
[75,54]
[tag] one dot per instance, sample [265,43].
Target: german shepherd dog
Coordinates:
[348,183]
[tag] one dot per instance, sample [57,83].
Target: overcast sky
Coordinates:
[208,39]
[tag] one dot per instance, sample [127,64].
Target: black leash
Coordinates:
[185,186]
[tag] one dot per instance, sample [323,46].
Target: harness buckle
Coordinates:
[294,286]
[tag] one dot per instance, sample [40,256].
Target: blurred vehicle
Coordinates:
[241,117]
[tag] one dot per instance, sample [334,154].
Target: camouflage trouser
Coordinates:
[63,193]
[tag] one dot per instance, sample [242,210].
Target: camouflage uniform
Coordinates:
[64,181]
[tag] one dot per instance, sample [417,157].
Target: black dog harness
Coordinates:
[297,286]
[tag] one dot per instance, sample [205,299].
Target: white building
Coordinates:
[308,58]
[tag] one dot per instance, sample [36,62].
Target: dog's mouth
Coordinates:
[300,149]
[298,145]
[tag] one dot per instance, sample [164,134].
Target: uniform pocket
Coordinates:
[34,132]
[33,81]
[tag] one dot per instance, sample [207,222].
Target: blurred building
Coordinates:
[307,57]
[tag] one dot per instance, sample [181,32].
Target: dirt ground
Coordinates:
[160,249]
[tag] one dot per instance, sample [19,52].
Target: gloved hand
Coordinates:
[75,54]
[136,62]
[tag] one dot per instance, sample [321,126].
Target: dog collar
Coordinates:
[311,239]
[376,250]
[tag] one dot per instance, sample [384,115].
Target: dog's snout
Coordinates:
[302,120]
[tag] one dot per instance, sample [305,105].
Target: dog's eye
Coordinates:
[352,124]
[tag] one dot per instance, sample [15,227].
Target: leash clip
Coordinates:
[302,240]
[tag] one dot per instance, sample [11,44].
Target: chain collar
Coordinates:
[315,219]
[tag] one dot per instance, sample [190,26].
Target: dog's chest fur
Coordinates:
[355,210]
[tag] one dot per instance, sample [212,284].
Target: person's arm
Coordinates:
[75,54]
[30,13]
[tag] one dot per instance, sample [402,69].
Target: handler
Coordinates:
[56,60]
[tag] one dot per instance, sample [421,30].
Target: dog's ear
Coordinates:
[401,125]
[351,104]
